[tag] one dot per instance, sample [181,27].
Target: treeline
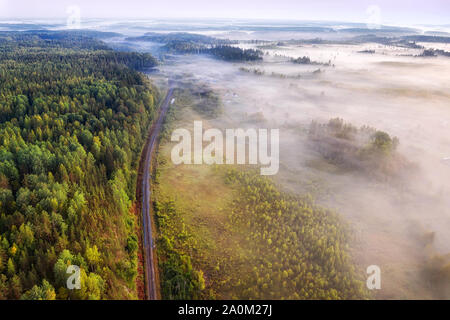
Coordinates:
[229,53]
[222,52]
[434,53]
[50,39]
[307,60]
[179,36]
[427,38]
[73,120]
[184,47]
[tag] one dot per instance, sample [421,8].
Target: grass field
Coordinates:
[201,227]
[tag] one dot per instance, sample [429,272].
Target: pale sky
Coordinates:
[390,11]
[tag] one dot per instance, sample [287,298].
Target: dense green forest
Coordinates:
[299,249]
[73,119]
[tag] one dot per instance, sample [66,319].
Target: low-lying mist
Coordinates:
[401,220]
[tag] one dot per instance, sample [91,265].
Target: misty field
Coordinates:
[393,203]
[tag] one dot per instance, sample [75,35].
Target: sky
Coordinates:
[395,12]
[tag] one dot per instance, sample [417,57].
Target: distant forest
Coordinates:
[191,43]
[222,52]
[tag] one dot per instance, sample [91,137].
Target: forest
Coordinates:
[299,249]
[222,52]
[73,119]
[229,53]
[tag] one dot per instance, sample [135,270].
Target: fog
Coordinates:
[391,90]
